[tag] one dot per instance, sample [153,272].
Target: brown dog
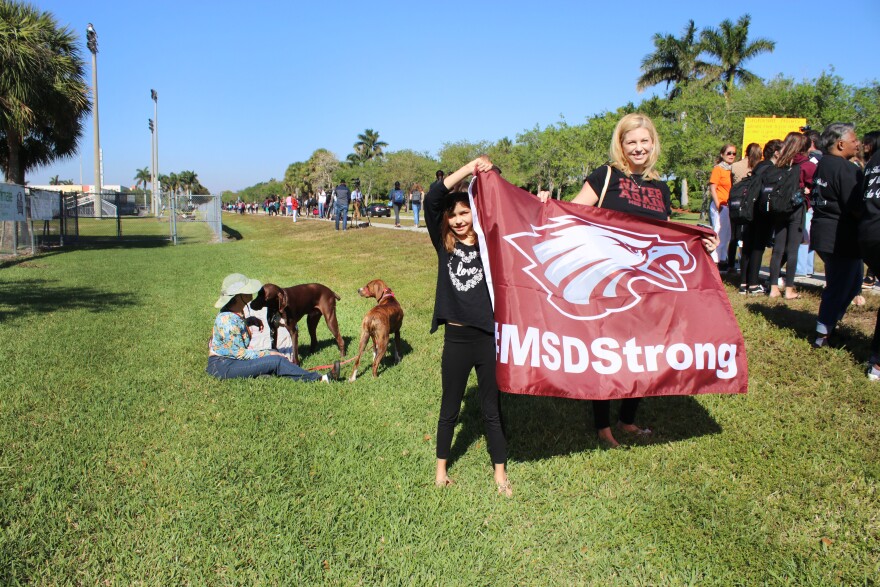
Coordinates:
[292,303]
[383,319]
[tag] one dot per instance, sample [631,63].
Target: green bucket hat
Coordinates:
[234,284]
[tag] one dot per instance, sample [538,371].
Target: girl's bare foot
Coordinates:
[606,438]
[444,481]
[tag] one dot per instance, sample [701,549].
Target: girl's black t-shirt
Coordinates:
[633,194]
[462,294]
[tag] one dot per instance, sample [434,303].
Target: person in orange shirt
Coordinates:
[719,188]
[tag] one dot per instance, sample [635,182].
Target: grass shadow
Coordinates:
[26,260]
[803,323]
[231,233]
[539,428]
[37,296]
[112,242]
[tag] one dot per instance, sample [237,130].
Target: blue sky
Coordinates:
[246,88]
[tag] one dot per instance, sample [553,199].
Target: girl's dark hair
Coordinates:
[753,154]
[771,147]
[871,143]
[446,235]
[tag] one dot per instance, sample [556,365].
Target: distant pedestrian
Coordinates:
[322,201]
[397,199]
[415,202]
[342,195]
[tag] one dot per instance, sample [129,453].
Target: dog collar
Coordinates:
[387,294]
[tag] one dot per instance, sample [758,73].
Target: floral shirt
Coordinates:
[231,338]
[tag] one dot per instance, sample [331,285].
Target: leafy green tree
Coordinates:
[730,45]
[675,61]
[296,178]
[54,180]
[321,166]
[454,155]
[407,167]
[43,92]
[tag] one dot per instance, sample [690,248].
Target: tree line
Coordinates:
[692,124]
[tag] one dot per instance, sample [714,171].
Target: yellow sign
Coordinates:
[762,130]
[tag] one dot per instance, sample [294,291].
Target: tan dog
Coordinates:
[383,319]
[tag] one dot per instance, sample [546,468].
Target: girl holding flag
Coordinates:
[463,306]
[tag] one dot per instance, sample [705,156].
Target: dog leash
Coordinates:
[330,366]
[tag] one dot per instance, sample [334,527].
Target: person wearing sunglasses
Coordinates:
[719,189]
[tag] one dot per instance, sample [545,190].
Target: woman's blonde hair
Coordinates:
[626,124]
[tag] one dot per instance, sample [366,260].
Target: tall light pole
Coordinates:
[152,168]
[92,43]
[157,187]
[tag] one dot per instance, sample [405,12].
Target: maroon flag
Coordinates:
[596,304]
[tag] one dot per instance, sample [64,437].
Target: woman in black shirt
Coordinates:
[462,304]
[836,202]
[629,184]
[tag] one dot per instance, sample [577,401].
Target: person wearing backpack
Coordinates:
[415,201]
[758,230]
[834,235]
[788,221]
[397,199]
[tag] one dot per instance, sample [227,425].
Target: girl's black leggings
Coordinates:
[466,348]
[789,230]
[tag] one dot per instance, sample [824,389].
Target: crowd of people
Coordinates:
[338,203]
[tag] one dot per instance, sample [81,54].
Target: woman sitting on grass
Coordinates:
[462,304]
[228,354]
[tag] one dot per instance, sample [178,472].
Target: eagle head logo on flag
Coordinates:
[596,304]
[591,270]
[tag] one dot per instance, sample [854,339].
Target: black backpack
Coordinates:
[743,196]
[782,188]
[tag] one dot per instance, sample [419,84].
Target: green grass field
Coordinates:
[123,463]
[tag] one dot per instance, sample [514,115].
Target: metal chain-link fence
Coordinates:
[37,219]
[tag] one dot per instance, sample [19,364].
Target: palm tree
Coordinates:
[368,145]
[54,180]
[674,61]
[43,92]
[142,177]
[730,45]
[188,180]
